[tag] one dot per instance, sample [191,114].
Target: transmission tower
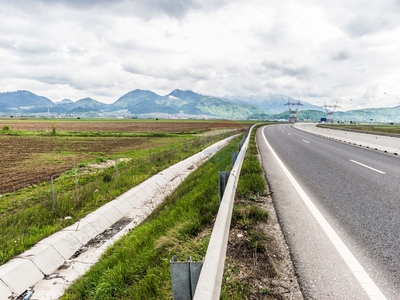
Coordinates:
[292,110]
[330,109]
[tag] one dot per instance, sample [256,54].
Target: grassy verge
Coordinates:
[137,266]
[245,219]
[29,215]
[388,129]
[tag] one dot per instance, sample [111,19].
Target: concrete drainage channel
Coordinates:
[49,267]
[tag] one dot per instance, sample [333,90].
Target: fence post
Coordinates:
[52,192]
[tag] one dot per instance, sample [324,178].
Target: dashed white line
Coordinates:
[362,276]
[306,141]
[373,169]
[289,133]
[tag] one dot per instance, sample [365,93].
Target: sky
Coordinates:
[321,52]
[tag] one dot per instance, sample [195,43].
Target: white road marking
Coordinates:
[306,141]
[289,133]
[363,278]
[356,162]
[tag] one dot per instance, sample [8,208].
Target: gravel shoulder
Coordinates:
[269,274]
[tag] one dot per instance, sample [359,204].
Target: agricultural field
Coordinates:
[90,162]
[31,152]
[118,125]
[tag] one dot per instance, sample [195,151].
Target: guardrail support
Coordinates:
[234,157]
[223,177]
[184,277]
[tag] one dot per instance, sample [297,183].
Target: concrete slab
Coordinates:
[98,221]
[110,212]
[168,175]
[123,206]
[82,231]
[64,242]
[5,291]
[20,274]
[45,257]
[138,198]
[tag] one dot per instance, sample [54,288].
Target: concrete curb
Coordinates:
[385,144]
[30,267]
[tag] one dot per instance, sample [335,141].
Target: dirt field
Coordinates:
[27,160]
[118,126]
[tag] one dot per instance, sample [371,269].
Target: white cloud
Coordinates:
[312,50]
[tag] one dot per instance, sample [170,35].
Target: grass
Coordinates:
[27,215]
[137,266]
[246,216]
[390,129]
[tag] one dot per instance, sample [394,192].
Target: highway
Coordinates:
[339,213]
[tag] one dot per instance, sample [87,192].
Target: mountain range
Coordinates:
[183,104]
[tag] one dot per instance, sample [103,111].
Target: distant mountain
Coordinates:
[90,103]
[14,101]
[132,98]
[187,103]
[385,115]
[64,101]
[276,103]
[184,104]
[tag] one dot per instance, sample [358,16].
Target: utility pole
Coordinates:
[293,111]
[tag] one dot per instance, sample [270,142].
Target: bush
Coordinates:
[5,128]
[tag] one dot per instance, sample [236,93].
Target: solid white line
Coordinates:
[356,162]
[306,141]
[363,278]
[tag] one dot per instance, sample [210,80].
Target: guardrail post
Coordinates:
[184,277]
[223,177]
[234,157]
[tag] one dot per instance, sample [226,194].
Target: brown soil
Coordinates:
[27,160]
[269,274]
[119,126]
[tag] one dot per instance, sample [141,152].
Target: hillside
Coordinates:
[183,104]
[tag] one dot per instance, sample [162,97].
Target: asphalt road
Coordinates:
[356,192]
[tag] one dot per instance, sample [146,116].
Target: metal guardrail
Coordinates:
[209,283]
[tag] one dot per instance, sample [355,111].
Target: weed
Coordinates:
[53,128]
[75,196]
[137,266]
[107,178]
[255,241]
[265,291]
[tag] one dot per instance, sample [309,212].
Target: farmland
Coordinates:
[31,153]
[89,168]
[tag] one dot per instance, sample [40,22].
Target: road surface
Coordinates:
[339,213]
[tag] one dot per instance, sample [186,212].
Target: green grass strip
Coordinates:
[137,266]
[27,216]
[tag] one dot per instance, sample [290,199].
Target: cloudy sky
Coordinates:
[317,51]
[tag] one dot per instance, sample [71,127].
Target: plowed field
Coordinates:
[118,126]
[26,160]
